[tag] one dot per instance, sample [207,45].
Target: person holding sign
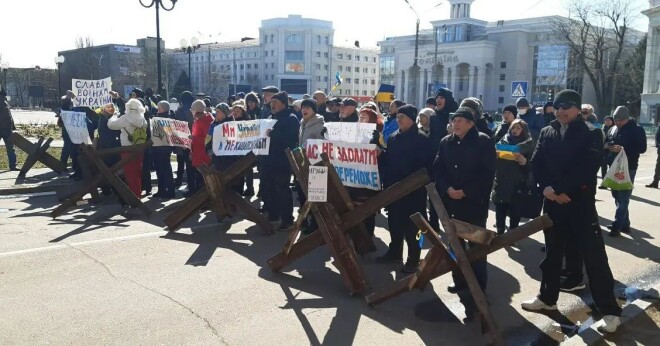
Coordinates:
[108,139]
[130,125]
[278,200]
[408,150]
[464,171]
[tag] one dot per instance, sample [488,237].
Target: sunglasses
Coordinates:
[564,105]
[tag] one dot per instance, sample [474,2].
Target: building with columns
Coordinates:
[650,109]
[494,61]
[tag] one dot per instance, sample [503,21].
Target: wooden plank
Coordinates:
[190,205]
[464,265]
[473,233]
[250,212]
[301,248]
[437,254]
[215,189]
[295,231]
[31,158]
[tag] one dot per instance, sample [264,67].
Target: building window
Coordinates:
[266,77]
[340,56]
[325,78]
[348,69]
[272,38]
[364,81]
[242,66]
[294,55]
[272,53]
[318,78]
[327,40]
[272,65]
[349,57]
[318,39]
[357,81]
[357,58]
[373,70]
[256,66]
[374,60]
[502,76]
[373,82]
[500,100]
[272,77]
[365,70]
[318,54]
[503,64]
[501,88]
[318,66]
[348,80]
[294,38]
[340,68]
[325,55]
[364,93]
[249,66]
[325,67]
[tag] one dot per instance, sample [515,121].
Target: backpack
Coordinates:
[139,136]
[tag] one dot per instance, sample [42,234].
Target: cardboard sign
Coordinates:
[170,133]
[92,93]
[75,124]
[356,163]
[350,132]
[241,137]
[317,184]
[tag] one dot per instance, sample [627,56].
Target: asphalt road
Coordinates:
[96,276]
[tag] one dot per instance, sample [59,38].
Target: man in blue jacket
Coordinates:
[535,122]
[631,138]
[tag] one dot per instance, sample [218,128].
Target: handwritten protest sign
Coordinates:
[350,132]
[170,133]
[241,137]
[92,93]
[356,163]
[317,187]
[75,124]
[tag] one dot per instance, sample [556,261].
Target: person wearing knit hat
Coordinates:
[348,111]
[509,114]
[548,113]
[564,165]
[534,121]
[431,103]
[277,197]
[464,171]
[408,150]
[253,105]
[238,111]
[477,108]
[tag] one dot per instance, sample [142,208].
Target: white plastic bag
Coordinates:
[618,176]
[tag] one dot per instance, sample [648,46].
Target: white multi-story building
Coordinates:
[650,109]
[295,54]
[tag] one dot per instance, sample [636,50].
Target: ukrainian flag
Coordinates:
[507,152]
[385,93]
[338,81]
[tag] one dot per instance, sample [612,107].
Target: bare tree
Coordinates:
[598,33]
[84,42]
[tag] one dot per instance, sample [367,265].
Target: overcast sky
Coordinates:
[32,31]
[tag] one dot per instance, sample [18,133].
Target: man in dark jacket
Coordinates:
[277,171]
[445,105]
[631,138]
[534,121]
[464,171]
[656,176]
[6,128]
[332,110]
[477,108]
[564,163]
[408,151]
[268,93]
[348,111]
[548,113]
[161,158]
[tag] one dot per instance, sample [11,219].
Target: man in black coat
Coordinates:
[268,93]
[332,110]
[348,111]
[277,171]
[408,151]
[564,163]
[656,176]
[629,137]
[464,171]
[445,105]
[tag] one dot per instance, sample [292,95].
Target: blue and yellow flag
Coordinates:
[506,151]
[338,81]
[385,93]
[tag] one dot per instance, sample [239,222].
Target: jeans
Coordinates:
[11,154]
[164,175]
[574,223]
[277,196]
[622,200]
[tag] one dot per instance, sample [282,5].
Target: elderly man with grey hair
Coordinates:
[161,157]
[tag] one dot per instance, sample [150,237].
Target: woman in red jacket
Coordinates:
[200,130]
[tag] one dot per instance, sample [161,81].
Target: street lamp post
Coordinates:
[190,49]
[158,4]
[59,61]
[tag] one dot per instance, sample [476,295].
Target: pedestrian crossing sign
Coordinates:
[518,89]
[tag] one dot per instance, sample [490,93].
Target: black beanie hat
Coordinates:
[511,108]
[281,96]
[309,103]
[431,100]
[463,112]
[546,105]
[522,102]
[251,97]
[408,110]
[138,92]
[444,92]
[568,96]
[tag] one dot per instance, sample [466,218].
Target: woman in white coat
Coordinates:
[132,120]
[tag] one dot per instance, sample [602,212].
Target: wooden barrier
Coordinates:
[36,152]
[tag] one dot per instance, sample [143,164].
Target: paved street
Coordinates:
[93,276]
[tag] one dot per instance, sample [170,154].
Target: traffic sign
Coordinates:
[518,89]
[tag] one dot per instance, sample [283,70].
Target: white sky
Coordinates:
[32,31]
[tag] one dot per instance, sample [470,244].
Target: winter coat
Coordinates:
[440,120]
[567,164]
[127,124]
[265,112]
[466,164]
[254,113]
[406,153]
[310,129]
[509,175]
[633,140]
[482,125]
[200,130]
[183,114]
[657,138]
[330,117]
[163,150]
[390,127]
[284,134]
[108,138]
[6,119]
[501,131]
[535,122]
[353,118]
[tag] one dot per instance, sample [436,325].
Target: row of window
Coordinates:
[350,92]
[297,39]
[357,69]
[365,58]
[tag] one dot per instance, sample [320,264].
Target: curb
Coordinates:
[591,336]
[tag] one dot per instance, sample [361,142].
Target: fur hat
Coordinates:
[474,104]
[135,106]
[252,97]
[198,106]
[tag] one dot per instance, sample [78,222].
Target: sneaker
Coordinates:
[567,285]
[602,187]
[536,304]
[614,233]
[388,258]
[14,169]
[410,267]
[653,185]
[285,226]
[608,324]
